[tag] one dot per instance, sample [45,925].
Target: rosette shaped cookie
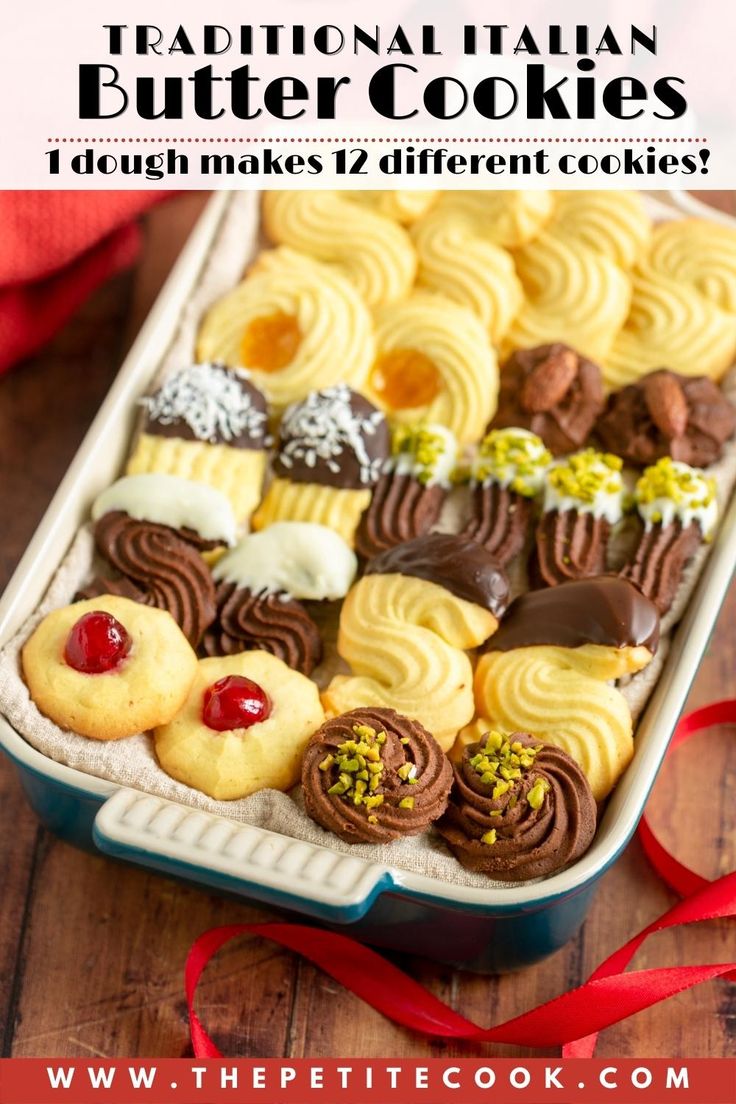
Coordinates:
[459,258]
[519,808]
[331,452]
[208,423]
[614,224]
[435,363]
[571,294]
[552,391]
[371,775]
[670,323]
[368,249]
[405,628]
[409,495]
[152,530]
[701,254]
[243,727]
[294,324]
[547,671]
[507,474]
[400,204]
[108,668]
[679,510]
[260,584]
[583,500]
[663,414]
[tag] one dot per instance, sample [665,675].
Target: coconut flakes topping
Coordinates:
[323,427]
[211,401]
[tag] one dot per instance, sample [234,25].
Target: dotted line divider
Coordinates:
[537,141]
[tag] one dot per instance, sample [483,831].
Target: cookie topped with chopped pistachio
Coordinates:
[372,775]
[514,458]
[519,808]
[670,491]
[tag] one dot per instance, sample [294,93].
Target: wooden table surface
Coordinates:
[91,953]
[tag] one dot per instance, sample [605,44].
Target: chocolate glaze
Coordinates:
[159,567]
[569,545]
[660,559]
[500,520]
[530,843]
[628,428]
[401,508]
[454,562]
[566,425]
[350,822]
[316,447]
[247,439]
[270,622]
[605,610]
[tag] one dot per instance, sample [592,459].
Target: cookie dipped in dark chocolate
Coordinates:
[335,438]
[454,562]
[605,610]
[209,402]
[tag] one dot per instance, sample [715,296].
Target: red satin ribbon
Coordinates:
[572,1019]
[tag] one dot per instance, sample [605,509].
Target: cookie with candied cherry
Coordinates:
[108,667]
[244,727]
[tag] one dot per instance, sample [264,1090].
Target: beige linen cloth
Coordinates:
[132,762]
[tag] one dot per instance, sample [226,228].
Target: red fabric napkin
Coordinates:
[55,249]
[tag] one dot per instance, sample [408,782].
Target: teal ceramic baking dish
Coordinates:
[478,929]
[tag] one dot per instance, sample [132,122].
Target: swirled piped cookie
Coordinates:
[434,363]
[402,205]
[210,424]
[670,323]
[460,261]
[294,324]
[701,254]
[406,626]
[151,529]
[614,224]
[243,727]
[331,451]
[547,671]
[371,251]
[571,294]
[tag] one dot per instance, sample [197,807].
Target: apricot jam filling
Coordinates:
[405,378]
[270,342]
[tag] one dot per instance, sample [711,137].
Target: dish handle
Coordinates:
[237,858]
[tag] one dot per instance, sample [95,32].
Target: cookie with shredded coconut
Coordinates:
[332,449]
[207,423]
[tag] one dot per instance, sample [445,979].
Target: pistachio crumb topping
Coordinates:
[588,481]
[501,762]
[406,803]
[671,491]
[360,770]
[515,458]
[489,837]
[426,452]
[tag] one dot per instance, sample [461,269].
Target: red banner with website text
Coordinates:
[353,1080]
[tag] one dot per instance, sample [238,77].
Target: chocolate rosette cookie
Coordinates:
[553,391]
[507,474]
[260,582]
[373,775]
[152,529]
[408,497]
[665,414]
[519,808]
[583,500]
[678,508]
[331,452]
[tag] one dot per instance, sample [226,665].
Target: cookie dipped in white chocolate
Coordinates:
[173,501]
[299,559]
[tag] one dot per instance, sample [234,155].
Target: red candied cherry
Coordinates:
[235,702]
[96,643]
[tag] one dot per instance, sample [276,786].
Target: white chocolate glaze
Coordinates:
[171,500]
